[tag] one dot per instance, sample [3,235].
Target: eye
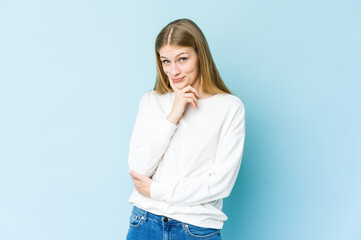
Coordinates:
[164,61]
[183,58]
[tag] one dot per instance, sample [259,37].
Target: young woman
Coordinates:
[187,142]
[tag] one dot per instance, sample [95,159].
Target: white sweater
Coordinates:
[193,164]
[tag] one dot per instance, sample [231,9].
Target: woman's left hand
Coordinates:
[141,182]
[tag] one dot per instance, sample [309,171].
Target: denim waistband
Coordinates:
[159,218]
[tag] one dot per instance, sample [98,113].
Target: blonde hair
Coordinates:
[185,33]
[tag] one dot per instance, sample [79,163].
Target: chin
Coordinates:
[181,85]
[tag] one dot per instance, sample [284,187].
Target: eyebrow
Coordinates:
[176,56]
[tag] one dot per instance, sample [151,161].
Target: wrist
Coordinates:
[172,119]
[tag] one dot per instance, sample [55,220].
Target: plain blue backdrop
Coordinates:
[71,77]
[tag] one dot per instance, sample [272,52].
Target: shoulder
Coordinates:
[152,94]
[232,102]
[147,95]
[153,99]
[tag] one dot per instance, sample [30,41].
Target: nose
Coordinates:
[174,71]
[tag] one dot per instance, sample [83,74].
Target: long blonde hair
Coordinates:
[185,33]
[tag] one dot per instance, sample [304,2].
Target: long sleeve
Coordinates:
[150,138]
[218,181]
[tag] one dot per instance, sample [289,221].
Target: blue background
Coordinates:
[71,77]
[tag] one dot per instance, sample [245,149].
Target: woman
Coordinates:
[184,160]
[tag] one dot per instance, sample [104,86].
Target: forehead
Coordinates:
[172,51]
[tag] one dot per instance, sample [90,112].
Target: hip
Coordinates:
[147,225]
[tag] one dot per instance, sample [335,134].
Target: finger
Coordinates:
[191,95]
[190,88]
[191,101]
[131,173]
[175,89]
[135,174]
[195,101]
[133,180]
[136,183]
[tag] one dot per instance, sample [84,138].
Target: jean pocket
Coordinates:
[201,232]
[134,220]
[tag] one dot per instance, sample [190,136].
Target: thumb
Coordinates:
[135,174]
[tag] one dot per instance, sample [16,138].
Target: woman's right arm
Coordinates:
[149,139]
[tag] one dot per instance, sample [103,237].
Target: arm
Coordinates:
[218,181]
[149,140]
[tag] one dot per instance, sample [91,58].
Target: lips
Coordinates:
[178,79]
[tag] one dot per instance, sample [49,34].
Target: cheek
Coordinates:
[190,69]
[186,69]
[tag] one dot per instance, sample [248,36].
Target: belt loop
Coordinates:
[145,215]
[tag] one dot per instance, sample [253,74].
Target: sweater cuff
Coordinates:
[158,191]
[165,130]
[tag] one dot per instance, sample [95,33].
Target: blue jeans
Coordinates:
[144,225]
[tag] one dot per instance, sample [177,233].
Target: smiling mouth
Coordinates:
[178,79]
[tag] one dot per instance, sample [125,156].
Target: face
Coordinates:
[181,65]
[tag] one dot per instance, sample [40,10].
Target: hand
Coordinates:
[141,182]
[182,98]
